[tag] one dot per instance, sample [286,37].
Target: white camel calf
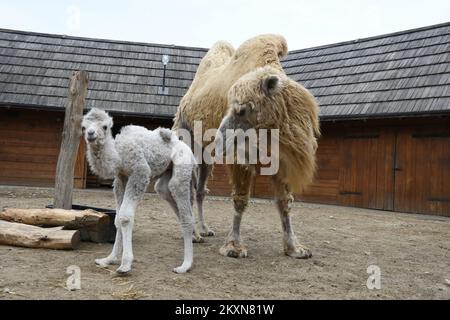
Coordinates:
[132,159]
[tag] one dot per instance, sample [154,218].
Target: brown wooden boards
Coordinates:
[423,171]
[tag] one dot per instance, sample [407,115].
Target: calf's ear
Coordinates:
[271,85]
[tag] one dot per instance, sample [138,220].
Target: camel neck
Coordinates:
[104,159]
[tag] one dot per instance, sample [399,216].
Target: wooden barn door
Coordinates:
[365,176]
[422,171]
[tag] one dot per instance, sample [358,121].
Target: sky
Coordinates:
[200,23]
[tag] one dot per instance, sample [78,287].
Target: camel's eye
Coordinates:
[105,127]
[83,128]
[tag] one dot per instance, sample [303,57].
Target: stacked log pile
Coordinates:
[52,228]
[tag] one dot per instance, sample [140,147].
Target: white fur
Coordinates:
[132,159]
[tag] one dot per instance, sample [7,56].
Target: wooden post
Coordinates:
[70,140]
[80,172]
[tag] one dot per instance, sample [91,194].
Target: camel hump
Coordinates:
[165,134]
[223,48]
[219,54]
[274,44]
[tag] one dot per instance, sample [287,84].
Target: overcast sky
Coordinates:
[200,23]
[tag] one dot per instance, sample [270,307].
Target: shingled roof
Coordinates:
[403,73]
[124,76]
[399,74]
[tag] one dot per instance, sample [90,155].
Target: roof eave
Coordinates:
[385,116]
[112,112]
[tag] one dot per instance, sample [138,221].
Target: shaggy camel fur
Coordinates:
[248,88]
[133,158]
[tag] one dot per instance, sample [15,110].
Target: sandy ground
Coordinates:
[412,252]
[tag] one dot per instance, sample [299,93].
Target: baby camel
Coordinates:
[132,159]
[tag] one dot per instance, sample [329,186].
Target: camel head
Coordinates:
[96,126]
[254,100]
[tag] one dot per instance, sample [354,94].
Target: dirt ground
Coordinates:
[412,252]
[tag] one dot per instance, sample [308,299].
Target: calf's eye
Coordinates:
[105,127]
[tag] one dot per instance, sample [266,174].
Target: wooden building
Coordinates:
[385,110]
[385,118]
[126,79]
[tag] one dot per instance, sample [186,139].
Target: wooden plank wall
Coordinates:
[356,168]
[325,188]
[365,174]
[219,184]
[29,148]
[389,165]
[401,165]
[80,174]
[422,181]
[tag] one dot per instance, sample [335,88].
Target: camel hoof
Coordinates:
[123,270]
[208,233]
[299,252]
[197,239]
[106,262]
[205,231]
[181,269]
[233,250]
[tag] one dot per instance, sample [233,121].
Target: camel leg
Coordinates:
[241,177]
[134,190]
[204,170]
[114,257]
[180,188]
[284,199]
[162,188]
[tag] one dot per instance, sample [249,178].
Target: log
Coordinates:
[70,219]
[23,235]
[71,137]
[93,225]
